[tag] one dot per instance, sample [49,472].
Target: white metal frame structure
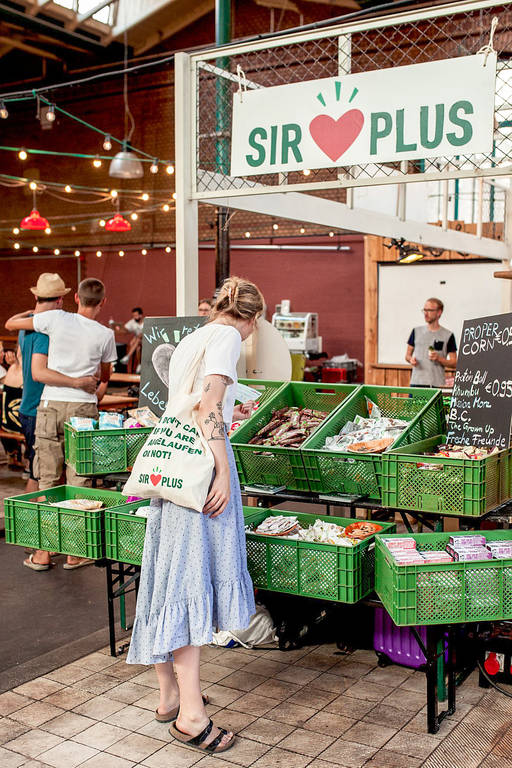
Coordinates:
[206,81]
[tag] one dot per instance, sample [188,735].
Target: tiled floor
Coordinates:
[312,707]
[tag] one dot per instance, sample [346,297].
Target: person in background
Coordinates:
[431,348]
[204,307]
[7,358]
[77,346]
[12,383]
[135,326]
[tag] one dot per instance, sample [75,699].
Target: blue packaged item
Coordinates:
[109,420]
[82,423]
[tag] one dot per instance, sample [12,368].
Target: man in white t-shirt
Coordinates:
[135,326]
[79,346]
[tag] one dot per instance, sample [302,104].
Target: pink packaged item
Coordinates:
[437,557]
[397,544]
[463,542]
[475,553]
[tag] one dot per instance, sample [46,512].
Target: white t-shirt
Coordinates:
[221,357]
[132,326]
[77,347]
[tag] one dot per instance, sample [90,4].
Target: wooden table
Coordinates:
[117,403]
[125,378]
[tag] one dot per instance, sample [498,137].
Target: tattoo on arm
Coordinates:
[214,424]
[207,386]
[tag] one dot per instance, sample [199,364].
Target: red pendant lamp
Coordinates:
[34,220]
[118,224]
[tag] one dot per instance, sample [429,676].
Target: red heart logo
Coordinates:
[334,137]
[155,479]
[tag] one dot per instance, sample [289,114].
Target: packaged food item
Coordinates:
[110,420]
[82,423]
[437,556]
[475,553]
[132,423]
[277,525]
[500,549]
[367,435]
[396,544]
[322,532]
[289,427]
[448,451]
[83,505]
[144,416]
[411,558]
[462,542]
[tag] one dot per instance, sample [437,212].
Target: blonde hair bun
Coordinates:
[239,298]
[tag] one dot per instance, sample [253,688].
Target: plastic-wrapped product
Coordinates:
[463,542]
[82,423]
[475,553]
[394,544]
[110,420]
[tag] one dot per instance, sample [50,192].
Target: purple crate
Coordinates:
[397,644]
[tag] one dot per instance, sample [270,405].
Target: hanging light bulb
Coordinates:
[306,172]
[126,165]
[77,253]
[73,228]
[166,207]
[48,231]
[247,234]
[144,252]
[32,186]
[121,253]
[67,189]
[102,222]
[96,162]
[4,113]
[302,230]
[118,224]
[169,169]
[107,144]
[16,246]
[275,226]
[168,249]
[50,113]
[56,251]
[154,166]
[134,216]
[113,193]
[35,248]
[174,195]
[15,231]
[98,254]
[331,234]
[22,154]
[34,220]
[145,197]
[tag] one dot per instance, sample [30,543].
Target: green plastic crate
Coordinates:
[100,451]
[326,571]
[265,387]
[343,472]
[260,465]
[444,593]
[462,487]
[124,535]
[32,523]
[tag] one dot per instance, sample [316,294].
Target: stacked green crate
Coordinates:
[276,465]
[124,535]
[444,593]
[325,571]
[101,451]
[345,472]
[462,487]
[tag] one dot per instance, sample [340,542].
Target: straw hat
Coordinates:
[49,285]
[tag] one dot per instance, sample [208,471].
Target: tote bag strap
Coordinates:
[187,384]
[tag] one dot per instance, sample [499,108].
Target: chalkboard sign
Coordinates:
[160,338]
[481,406]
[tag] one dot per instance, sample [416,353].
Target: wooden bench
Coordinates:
[12,435]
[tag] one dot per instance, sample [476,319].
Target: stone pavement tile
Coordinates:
[241,680]
[298,675]
[99,707]
[412,701]
[39,688]
[281,758]
[10,759]
[97,683]
[68,698]
[318,662]
[263,666]
[10,702]
[291,714]
[128,692]
[348,706]
[68,724]
[97,661]
[384,758]
[313,697]
[252,704]
[36,714]
[269,732]
[172,756]
[288,657]
[103,760]
[276,689]
[68,754]
[214,762]
[349,668]
[124,671]
[221,695]
[418,724]
[463,708]
[390,716]
[370,734]
[212,673]
[233,721]
[330,724]
[130,717]
[156,730]
[369,691]
[447,758]
[392,675]
[364,656]
[148,677]
[149,701]
[10,729]
[35,764]
[470,695]
[421,745]
[307,742]
[136,747]
[69,674]
[334,683]
[231,659]
[33,743]
[319,763]
[348,754]
[101,735]
[211,652]
[244,752]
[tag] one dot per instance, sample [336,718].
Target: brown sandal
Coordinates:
[197,742]
[169,717]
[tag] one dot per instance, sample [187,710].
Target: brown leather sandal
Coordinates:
[197,742]
[169,717]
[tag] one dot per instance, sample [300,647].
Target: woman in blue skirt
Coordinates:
[194,574]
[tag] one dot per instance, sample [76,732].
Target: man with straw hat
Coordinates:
[78,346]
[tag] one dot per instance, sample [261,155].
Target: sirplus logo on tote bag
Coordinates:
[176,462]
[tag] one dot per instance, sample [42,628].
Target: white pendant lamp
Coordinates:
[126,165]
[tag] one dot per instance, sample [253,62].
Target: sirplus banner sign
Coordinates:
[441,109]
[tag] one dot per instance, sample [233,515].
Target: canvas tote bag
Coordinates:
[176,462]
